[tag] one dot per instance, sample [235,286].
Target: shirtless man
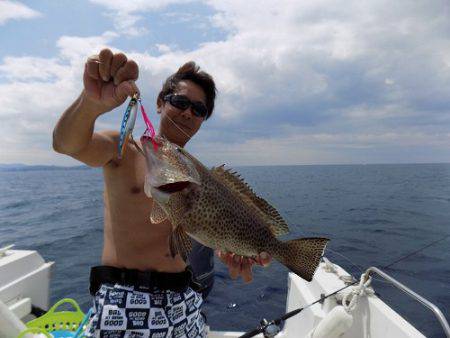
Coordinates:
[136,252]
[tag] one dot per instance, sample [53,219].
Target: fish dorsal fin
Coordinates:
[272,218]
[180,242]
[158,215]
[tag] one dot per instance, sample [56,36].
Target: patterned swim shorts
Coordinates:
[123,312]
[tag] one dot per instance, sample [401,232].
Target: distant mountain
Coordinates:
[25,167]
[12,165]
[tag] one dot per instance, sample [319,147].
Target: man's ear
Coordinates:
[159,104]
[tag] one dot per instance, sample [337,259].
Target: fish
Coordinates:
[217,208]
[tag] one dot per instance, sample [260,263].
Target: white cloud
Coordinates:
[45,84]
[14,10]
[77,48]
[36,93]
[127,15]
[138,5]
[29,68]
[163,48]
[306,147]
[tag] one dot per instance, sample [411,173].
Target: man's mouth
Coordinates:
[184,126]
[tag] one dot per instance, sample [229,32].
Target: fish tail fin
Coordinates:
[303,255]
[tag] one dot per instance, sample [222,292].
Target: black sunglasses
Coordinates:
[183,102]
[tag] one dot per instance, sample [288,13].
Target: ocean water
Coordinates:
[373,214]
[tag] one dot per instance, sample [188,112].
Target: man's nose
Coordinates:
[188,113]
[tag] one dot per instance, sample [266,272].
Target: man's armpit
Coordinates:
[101,150]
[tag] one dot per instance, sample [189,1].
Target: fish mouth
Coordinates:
[174,187]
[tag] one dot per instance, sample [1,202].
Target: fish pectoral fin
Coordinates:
[178,206]
[180,242]
[158,215]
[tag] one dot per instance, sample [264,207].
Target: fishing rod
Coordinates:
[272,328]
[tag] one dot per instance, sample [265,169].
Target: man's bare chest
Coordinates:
[127,179]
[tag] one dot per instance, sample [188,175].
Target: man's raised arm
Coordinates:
[108,80]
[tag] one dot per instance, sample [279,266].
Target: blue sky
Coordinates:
[300,82]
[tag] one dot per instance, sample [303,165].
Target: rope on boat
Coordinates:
[363,289]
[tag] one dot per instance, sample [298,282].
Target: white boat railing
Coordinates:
[436,311]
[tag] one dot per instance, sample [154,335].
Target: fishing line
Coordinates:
[173,122]
[176,125]
[357,266]
[417,251]
[407,256]
[342,255]
[348,259]
[290,314]
[383,267]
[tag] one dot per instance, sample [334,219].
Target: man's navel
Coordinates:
[135,190]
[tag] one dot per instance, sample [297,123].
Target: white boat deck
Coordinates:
[25,279]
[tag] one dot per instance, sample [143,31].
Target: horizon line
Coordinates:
[242,165]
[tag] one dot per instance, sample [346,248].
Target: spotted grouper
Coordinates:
[218,209]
